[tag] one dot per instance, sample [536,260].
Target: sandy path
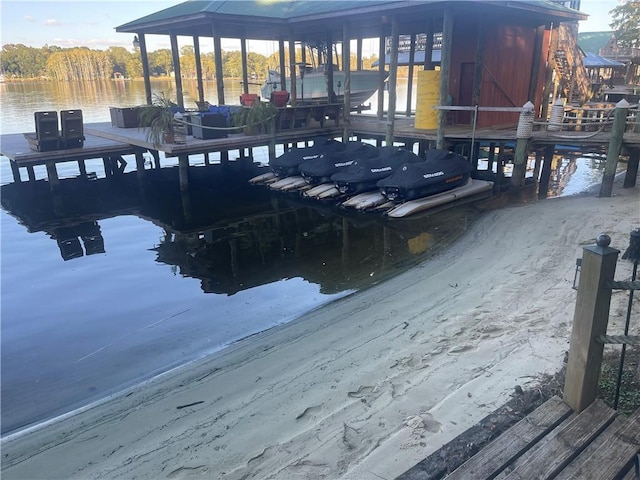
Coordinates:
[363,388]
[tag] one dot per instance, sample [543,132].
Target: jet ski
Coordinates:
[319,170]
[364,173]
[440,172]
[289,162]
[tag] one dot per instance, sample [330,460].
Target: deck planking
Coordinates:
[553,442]
[16,147]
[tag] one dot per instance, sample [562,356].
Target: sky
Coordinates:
[92,23]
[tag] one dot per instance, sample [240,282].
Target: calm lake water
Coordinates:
[109,283]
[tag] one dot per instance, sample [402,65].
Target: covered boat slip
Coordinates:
[462,31]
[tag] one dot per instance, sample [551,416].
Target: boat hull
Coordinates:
[313,87]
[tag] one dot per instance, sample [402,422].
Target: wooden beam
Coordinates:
[445,66]
[283,70]
[330,92]
[217,52]
[393,76]
[245,73]
[381,73]
[175,53]
[428,48]
[346,69]
[535,67]
[479,66]
[196,52]
[292,68]
[412,52]
[145,67]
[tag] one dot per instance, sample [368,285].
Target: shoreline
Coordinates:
[364,387]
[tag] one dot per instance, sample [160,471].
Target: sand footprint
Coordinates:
[362,392]
[186,472]
[310,413]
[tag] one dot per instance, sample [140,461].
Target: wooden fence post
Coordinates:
[590,320]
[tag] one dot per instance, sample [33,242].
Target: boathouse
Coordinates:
[491,53]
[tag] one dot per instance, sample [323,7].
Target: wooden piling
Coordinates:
[590,320]
[632,168]
[615,145]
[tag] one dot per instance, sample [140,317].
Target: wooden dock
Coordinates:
[16,148]
[103,140]
[553,442]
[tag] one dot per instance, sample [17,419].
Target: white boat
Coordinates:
[312,88]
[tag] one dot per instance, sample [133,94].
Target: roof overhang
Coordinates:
[308,20]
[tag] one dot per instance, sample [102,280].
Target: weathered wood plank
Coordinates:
[562,445]
[610,454]
[496,456]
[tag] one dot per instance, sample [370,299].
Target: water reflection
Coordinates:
[230,235]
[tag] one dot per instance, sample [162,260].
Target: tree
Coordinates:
[626,23]
[161,62]
[121,59]
[24,62]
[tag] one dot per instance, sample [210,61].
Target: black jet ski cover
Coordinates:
[319,170]
[287,164]
[363,174]
[441,171]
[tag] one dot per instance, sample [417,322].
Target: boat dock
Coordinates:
[109,143]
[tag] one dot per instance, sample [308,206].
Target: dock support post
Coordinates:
[445,65]
[590,320]
[82,167]
[393,74]
[632,168]
[523,134]
[183,171]
[382,74]
[107,166]
[52,175]
[139,165]
[543,188]
[615,144]
[15,169]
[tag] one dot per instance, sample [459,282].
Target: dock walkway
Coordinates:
[553,442]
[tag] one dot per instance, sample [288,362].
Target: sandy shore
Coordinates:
[363,388]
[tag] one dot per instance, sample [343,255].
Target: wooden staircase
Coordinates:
[570,72]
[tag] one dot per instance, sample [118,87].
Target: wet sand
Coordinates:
[365,387]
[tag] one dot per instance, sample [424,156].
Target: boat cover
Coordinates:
[363,174]
[441,171]
[319,170]
[288,163]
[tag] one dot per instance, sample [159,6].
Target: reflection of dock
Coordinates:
[230,235]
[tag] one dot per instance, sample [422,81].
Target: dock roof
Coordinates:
[261,20]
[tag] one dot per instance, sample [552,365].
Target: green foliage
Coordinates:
[258,118]
[159,119]
[80,64]
[626,22]
[24,62]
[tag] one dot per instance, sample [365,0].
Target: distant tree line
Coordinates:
[81,63]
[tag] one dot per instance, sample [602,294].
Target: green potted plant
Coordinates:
[260,117]
[158,118]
